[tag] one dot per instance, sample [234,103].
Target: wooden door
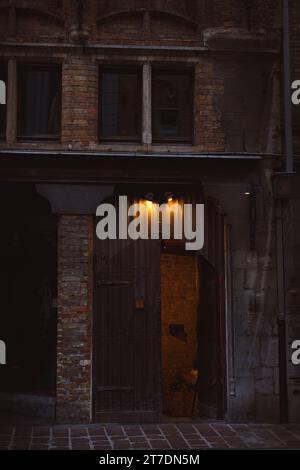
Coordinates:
[209,341]
[127,331]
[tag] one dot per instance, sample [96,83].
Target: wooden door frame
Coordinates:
[222,365]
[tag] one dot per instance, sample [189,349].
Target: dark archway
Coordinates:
[28,267]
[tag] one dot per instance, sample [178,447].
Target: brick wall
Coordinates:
[179,356]
[209,89]
[177,23]
[74,318]
[79,101]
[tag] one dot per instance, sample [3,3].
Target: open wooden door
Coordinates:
[127,331]
[209,341]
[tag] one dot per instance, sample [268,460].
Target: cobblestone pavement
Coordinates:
[181,436]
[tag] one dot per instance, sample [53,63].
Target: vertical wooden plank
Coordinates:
[208,339]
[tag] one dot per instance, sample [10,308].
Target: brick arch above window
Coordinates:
[50,8]
[143,24]
[32,19]
[184,8]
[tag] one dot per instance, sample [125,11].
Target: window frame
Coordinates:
[133,69]
[187,71]
[38,66]
[4,68]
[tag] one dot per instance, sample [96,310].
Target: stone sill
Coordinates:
[240,39]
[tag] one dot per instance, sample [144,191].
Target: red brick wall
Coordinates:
[179,306]
[74,318]
[209,88]
[79,101]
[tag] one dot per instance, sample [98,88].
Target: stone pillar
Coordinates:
[74,343]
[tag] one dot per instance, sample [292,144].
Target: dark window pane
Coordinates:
[172,110]
[3,94]
[120,105]
[39,102]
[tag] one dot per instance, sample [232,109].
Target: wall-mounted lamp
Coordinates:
[249,190]
[169,196]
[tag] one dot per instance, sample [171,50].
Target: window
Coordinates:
[120,104]
[172,106]
[39,102]
[3,95]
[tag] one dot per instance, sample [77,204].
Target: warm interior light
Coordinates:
[247,193]
[170,199]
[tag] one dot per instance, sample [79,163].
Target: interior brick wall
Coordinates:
[179,306]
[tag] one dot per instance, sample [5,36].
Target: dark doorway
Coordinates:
[158,330]
[28,266]
[127,331]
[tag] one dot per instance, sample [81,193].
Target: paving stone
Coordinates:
[137,439]
[96,433]
[80,446]
[150,429]
[159,444]
[81,432]
[100,441]
[23,432]
[141,446]
[133,430]
[41,431]
[114,430]
[6,431]
[122,445]
[102,447]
